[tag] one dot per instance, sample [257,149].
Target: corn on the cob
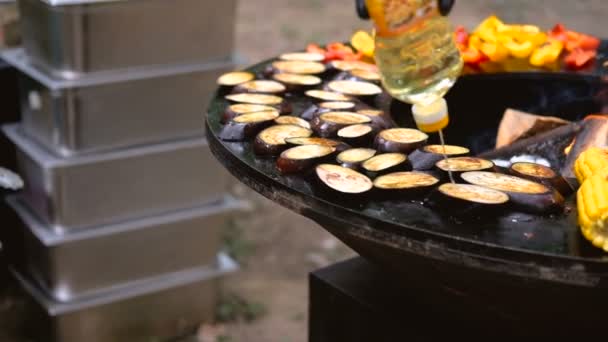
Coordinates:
[592,201]
[592,161]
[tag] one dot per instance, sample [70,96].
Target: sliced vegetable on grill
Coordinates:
[357,135]
[278,102]
[380,120]
[338,145]
[324,95]
[302,56]
[405,185]
[296,82]
[324,107]
[526,195]
[229,80]
[301,158]
[235,110]
[592,203]
[352,158]
[260,87]
[403,140]
[352,65]
[426,157]
[541,174]
[328,124]
[458,165]
[299,67]
[246,126]
[271,141]
[292,120]
[343,181]
[468,201]
[355,88]
[359,75]
[386,163]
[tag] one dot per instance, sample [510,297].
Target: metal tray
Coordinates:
[83,192]
[153,310]
[112,111]
[69,38]
[87,263]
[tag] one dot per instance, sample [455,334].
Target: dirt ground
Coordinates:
[277,248]
[288,246]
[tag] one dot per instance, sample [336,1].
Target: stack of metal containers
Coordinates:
[123,204]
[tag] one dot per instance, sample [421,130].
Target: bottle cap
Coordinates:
[430,113]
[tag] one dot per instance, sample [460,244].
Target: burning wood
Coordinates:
[593,133]
[517,125]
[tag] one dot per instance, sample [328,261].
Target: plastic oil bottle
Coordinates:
[417,56]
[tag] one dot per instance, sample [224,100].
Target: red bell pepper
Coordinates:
[578,58]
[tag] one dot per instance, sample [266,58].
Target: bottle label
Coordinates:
[393,17]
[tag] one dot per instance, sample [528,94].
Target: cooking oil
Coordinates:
[417,57]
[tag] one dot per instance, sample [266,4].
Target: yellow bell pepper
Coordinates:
[496,52]
[520,50]
[547,53]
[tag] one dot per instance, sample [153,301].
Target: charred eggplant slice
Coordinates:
[292,120]
[403,140]
[458,165]
[380,120]
[405,185]
[359,75]
[354,88]
[328,124]
[323,95]
[352,65]
[541,174]
[299,67]
[302,57]
[385,163]
[296,81]
[260,87]
[262,99]
[357,135]
[324,107]
[526,195]
[466,200]
[246,126]
[235,110]
[229,80]
[342,180]
[271,141]
[301,158]
[338,145]
[352,158]
[426,157]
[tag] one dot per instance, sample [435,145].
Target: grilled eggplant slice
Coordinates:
[541,174]
[283,106]
[260,87]
[338,145]
[299,67]
[302,57]
[352,65]
[292,120]
[385,163]
[352,158]
[295,82]
[343,181]
[526,195]
[359,75]
[468,201]
[357,135]
[404,185]
[354,88]
[426,157]
[328,124]
[403,140]
[301,158]
[459,165]
[235,110]
[324,107]
[231,79]
[246,126]
[323,96]
[271,141]
[380,120]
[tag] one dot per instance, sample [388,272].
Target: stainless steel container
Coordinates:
[154,310]
[70,37]
[83,192]
[118,110]
[105,259]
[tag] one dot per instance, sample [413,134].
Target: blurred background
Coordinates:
[267,299]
